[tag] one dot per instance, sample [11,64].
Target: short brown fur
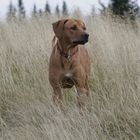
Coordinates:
[69,62]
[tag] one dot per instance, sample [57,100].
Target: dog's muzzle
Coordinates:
[84,37]
[82,40]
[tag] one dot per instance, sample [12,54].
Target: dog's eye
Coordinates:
[84,28]
[73,28]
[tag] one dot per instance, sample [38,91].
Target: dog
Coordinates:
[69,63]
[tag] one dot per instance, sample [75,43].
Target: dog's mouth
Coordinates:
[80,41]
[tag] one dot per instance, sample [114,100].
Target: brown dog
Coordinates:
[69,62]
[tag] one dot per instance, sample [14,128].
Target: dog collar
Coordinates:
[67,55]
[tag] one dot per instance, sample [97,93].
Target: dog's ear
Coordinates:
[58,27]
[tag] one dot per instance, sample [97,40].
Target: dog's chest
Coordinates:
[68,74]
[66,64]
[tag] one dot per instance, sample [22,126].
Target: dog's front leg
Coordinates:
[54,78]
[57,95]
[81,84]
[82,96]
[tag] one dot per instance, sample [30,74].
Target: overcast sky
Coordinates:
[84,5]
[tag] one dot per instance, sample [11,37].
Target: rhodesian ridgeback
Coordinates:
[69,62]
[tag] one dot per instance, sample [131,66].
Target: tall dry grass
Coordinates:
[26,108]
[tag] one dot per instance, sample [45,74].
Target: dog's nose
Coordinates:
[85,36]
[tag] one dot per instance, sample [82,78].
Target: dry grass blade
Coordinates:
[26,109]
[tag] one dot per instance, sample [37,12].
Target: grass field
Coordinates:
[26,108]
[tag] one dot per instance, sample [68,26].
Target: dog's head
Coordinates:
[74,31]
